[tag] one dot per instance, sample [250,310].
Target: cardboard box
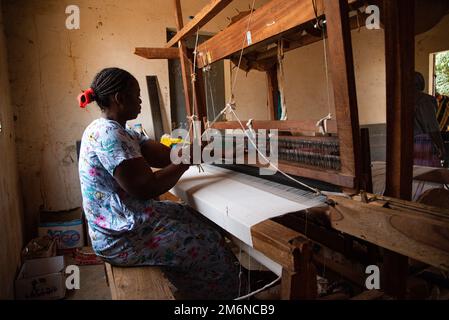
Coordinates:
[86,256]
[42,247]
[41,279]
[66,227]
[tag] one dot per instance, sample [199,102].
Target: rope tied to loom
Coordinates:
[230,106]
[193,117]
[193,78]
[281,79]
[322,123]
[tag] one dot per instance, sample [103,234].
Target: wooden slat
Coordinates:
[178,14]
[274,241]
[424,238]
[300,284]
[157,53]
[355,23]
[138,283]
[155,106]
[341,66]
[186,66]
[399,58]
[267,21]
[439,176]
[201,18]
[273,92]
[291,250]
[406,206]
[287,125]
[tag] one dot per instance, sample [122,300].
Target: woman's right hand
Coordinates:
[188,154]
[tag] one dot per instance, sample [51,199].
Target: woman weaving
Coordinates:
[128,227]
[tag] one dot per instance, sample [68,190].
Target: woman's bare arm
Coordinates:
[138,180]
[156,154]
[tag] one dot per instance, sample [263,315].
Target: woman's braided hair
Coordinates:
[107,82]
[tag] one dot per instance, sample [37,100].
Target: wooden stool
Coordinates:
[138,283]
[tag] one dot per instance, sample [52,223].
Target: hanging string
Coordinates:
[209,88]
[229,108]
[281,79]
[316,13]
[241,51]
[240,270]
[193,80]
[249,271]
[315,190]
[326,70]
[259,290]
[322,25]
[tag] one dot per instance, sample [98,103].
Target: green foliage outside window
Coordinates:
[442,73]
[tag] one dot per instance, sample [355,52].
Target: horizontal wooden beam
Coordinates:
[412,233]
[284,125]
[201,18]
[355,23]
[158,53]
[274,240]
[268,21]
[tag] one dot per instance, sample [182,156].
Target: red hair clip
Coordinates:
[86,97]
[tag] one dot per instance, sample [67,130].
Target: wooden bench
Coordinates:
[138,283]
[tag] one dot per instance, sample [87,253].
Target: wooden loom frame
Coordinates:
[288,14]
[289,248]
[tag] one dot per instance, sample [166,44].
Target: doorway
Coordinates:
[439,88]
[214,84]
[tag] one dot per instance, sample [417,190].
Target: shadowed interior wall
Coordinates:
[11,221]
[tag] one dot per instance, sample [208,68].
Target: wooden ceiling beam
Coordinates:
[268,21]
[157,53]
[355,23]
[204,16]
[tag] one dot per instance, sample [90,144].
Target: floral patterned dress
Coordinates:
[127,231]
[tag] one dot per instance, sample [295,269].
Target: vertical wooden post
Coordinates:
[341,65]
[273,92]
[200,98]
[300,283]
[186,68]
[400,61]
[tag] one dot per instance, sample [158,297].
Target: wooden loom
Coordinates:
[365,219]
